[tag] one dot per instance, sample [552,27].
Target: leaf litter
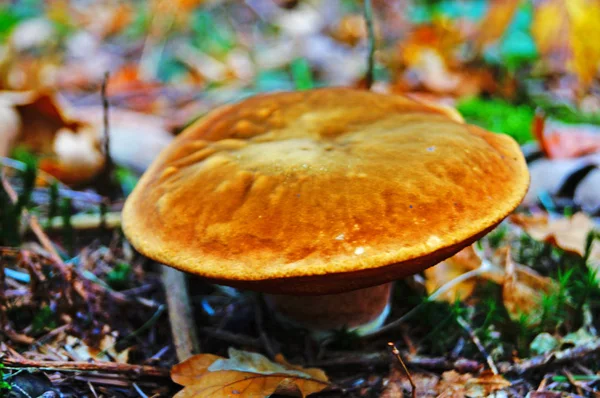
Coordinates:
[84,313]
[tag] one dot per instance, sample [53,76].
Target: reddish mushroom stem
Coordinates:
[362,310]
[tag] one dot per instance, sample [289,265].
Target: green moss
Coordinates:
[499,116]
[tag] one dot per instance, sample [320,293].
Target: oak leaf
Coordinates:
[244,374]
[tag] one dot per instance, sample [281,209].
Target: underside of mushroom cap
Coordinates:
[322,191]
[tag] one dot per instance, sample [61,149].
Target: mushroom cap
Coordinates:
[322,191]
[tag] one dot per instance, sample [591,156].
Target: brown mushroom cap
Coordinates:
[322,191]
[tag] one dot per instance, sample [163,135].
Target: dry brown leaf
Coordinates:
[399,385]
[69,148]
[561,140]
[464,261]
[452,384]
[455,385]
[244,374]
[568,233]
[105,351]
[523,290]
[487,383]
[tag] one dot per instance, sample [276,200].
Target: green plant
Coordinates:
[4,385]
[555,304]
[118,277]
[499,116]
[43,320]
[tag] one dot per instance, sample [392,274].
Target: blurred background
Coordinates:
[528,68]
[80,76]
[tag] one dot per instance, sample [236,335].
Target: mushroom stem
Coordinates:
[362,310]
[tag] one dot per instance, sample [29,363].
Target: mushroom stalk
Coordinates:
[363,310]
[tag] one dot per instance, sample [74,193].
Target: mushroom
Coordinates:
[321,198]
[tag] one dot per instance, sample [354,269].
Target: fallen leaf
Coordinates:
[568,233]
[244,374]
[399,385]
[105,351]
[523,290]
[560,140]
[449,269]
[543,343]
[464,261]
[487,383]
[456,385]
[69,149]
[452,384]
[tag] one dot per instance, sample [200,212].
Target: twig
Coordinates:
[463,323]
[554,358]
[381,359]
[181,318]
[368,12]
[106,367]
[399,358]
[108,163]
[111,220]
[105,182]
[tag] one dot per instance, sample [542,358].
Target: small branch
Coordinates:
[105,182]
[106,367]
[463,323]
[554,358]
[381,359]
[181,317]
[111,220]
[368,12]
[399,358]
[108,163]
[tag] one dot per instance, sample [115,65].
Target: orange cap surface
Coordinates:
[322,191]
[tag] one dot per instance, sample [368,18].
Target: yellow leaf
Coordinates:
[190,371]
[562,30]
[245,374]
[464,261]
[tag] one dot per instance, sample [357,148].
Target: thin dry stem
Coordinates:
[399,358]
